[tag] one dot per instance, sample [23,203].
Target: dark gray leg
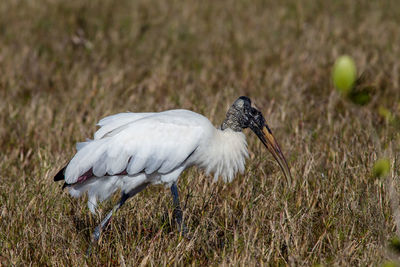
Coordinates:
[124,197]
[177,210]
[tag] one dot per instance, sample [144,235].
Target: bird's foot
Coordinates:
[178,217]
[89,250]
[184,231]
[96,234]
[94,239]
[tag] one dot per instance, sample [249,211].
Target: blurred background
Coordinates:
[66,64]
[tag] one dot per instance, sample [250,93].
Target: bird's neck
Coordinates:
[231,125]
[231,121]
[224,154]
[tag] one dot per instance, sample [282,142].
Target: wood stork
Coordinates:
[133,150]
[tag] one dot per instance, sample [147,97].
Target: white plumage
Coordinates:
[133,150]
[152,148]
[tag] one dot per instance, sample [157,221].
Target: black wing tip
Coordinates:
[60,175]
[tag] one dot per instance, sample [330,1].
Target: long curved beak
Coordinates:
[272,145]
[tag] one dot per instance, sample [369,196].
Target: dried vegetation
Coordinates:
[66,64]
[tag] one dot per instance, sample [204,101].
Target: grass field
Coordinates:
[66,64]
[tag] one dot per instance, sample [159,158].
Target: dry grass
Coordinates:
[66,64]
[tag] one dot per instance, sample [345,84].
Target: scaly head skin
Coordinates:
[242,115]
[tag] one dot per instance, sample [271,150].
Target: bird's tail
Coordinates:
[60,177]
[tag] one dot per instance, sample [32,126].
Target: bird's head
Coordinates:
[242,115]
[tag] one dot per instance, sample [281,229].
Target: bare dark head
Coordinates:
[242,115]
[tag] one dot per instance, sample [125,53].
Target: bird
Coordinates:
[131,151]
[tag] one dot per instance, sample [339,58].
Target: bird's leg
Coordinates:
[106,220]
[177,210]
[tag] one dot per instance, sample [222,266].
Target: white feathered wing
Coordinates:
[145,145]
